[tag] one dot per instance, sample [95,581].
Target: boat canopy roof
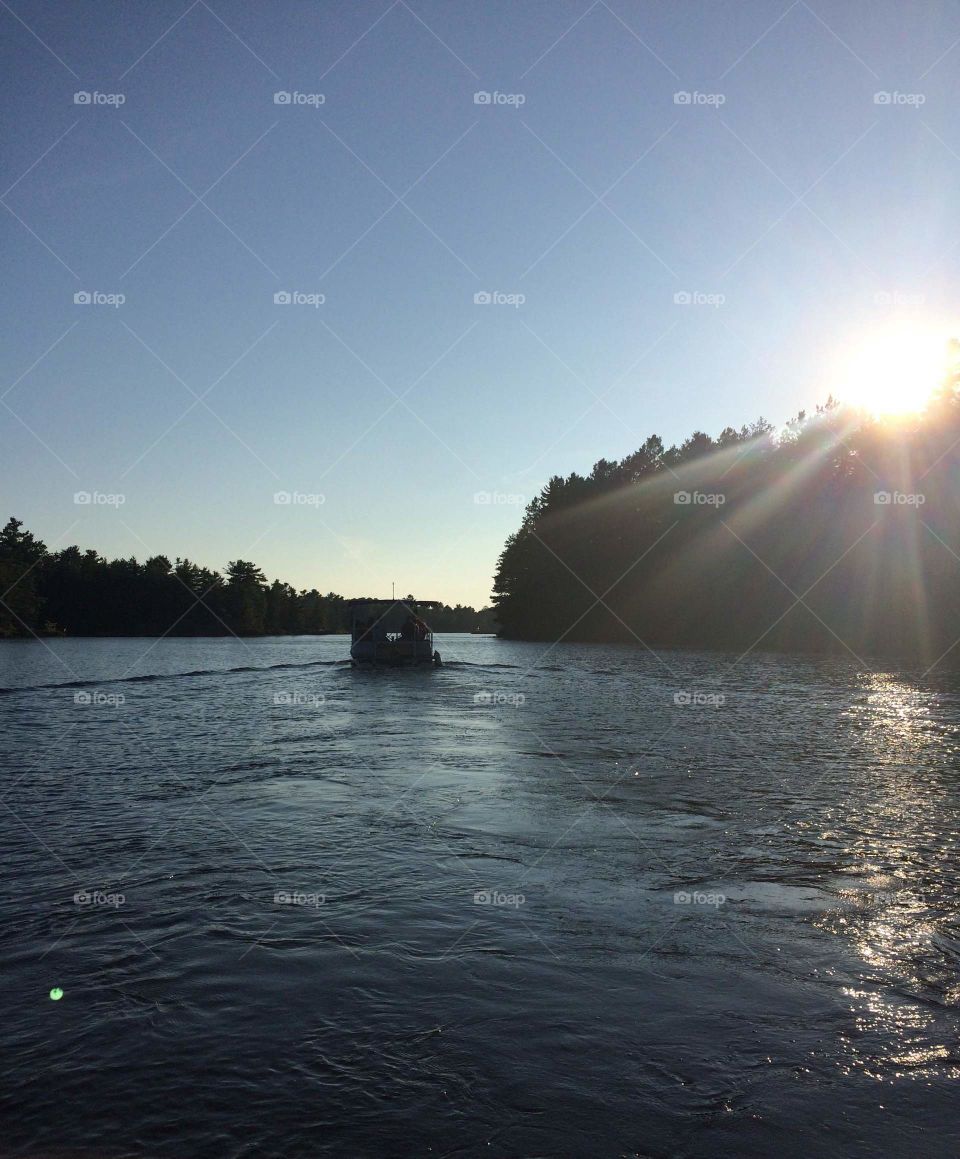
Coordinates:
[407,602]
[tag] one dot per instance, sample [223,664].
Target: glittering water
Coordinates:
[525,904]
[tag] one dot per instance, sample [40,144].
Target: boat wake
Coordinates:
[158,676]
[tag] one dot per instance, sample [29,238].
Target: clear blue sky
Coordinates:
[798,198]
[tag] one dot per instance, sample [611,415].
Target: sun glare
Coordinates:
[895,371]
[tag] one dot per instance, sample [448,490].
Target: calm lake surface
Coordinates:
[301,910]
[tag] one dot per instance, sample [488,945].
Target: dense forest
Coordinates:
[839,533]
[82,594]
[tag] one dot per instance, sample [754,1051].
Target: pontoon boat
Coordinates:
[391,633]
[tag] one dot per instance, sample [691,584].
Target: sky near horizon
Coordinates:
[387,267]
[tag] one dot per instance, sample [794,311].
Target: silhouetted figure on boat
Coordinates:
[413,628]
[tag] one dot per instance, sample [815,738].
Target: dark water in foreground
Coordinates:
[800,996]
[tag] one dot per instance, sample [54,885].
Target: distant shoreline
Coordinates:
[42,636]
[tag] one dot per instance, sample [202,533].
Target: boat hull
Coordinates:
[402,654]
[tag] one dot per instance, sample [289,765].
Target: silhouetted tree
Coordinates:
[83,594]
[753,538]
[20,603]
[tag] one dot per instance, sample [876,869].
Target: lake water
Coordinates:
[300,910]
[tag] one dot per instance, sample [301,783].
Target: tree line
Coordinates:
[80,593]
[840,533]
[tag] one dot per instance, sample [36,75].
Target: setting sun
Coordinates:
[894,372]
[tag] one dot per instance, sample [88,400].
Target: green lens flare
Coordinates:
[56,993]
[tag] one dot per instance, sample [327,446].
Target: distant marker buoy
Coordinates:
[56,994]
